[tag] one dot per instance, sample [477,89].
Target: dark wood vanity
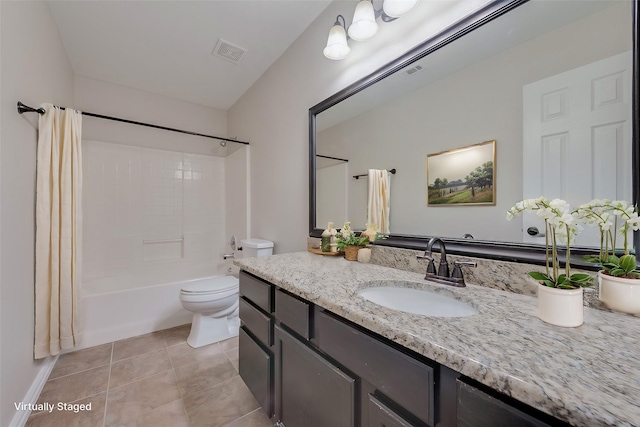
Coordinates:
[308,367]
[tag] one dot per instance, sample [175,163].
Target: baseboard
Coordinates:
[21,417]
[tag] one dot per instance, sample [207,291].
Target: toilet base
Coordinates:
[207,330]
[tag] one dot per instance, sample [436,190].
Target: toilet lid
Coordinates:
[211,286]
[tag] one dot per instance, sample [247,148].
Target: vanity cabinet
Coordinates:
[255,339]
[309,389]
[308,367]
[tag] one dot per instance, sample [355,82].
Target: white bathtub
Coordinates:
[116,315]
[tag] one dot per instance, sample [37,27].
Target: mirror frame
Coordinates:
[515,252]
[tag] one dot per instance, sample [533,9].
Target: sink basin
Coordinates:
[417,301]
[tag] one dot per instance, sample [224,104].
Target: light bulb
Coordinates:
[337,47]
[396,8]
[364,22]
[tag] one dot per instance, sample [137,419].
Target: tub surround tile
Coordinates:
[204,374]
[139,367]
[85,418]
[81,360]
[138,345]
[585,376]
[75,386]
[219,405]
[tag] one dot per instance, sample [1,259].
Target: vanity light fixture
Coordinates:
[363,26]
[337,47]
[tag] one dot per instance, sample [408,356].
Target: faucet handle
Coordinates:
[457,270]
[425,256]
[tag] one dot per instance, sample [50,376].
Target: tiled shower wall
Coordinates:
[150,216]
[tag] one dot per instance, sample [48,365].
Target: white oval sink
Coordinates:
[417,301]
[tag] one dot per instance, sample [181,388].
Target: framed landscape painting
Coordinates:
[463,177]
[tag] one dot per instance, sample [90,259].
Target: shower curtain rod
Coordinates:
[332,158]
[391,171]
[26,109]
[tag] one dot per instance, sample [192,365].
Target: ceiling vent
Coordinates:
[228,51]
[410,71]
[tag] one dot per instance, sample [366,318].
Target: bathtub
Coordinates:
[118,314]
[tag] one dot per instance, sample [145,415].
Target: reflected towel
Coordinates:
[378,202]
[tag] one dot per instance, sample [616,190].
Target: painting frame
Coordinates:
[453,180]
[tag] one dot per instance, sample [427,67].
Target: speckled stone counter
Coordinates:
[587,376]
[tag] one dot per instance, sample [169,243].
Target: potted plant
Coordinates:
[560,295]
[619,279]
[349,242]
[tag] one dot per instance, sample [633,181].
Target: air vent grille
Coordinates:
[228,51]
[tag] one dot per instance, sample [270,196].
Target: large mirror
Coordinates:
[549,81]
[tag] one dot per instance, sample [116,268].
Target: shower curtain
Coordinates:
[378,202]
[58,231]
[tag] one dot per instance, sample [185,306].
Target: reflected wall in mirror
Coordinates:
[550,81]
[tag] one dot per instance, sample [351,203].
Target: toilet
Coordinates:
[214,301]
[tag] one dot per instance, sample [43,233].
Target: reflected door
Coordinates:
[577,139]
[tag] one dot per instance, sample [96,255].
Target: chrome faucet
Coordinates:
[442,275]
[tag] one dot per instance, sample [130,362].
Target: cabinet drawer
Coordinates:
[401,378]
[257,291]
[380,415]
[256,367]
[257,322]
[293,312]
[475,408]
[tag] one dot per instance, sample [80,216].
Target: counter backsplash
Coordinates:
[503,275]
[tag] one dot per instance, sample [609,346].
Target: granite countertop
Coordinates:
[586,376]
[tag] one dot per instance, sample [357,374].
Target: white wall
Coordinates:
[237,199]
[35,70]
[273,114]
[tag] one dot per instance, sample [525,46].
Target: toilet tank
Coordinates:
[256,247]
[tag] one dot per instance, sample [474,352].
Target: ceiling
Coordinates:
[165,47]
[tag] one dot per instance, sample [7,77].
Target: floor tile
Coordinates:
[220,405]
[256,418]
[64,418]
[177,335]
[81,360]
[139,367]
[168,415]
[75,386]
[132,401]
[183,354]
[229,344]
[200,375]
[138,345]
[233,357]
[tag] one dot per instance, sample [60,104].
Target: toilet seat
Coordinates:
[221,286]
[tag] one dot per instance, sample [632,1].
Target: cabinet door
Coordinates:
[380,415]
[256,365]
[478,409]
[310,391]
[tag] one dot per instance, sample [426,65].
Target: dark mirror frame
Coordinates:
[517,252]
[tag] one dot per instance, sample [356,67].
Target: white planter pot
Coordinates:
[560,307]
[620,294]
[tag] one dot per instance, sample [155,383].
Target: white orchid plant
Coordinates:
[562,226]
[347,237]
[612,217]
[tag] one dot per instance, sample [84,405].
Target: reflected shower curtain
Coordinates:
[58,231]
[378,201]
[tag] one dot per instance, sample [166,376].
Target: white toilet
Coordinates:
[214,301]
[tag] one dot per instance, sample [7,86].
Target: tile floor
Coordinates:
[153,380]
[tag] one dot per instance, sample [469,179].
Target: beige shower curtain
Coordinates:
[58,231]
[378,201]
